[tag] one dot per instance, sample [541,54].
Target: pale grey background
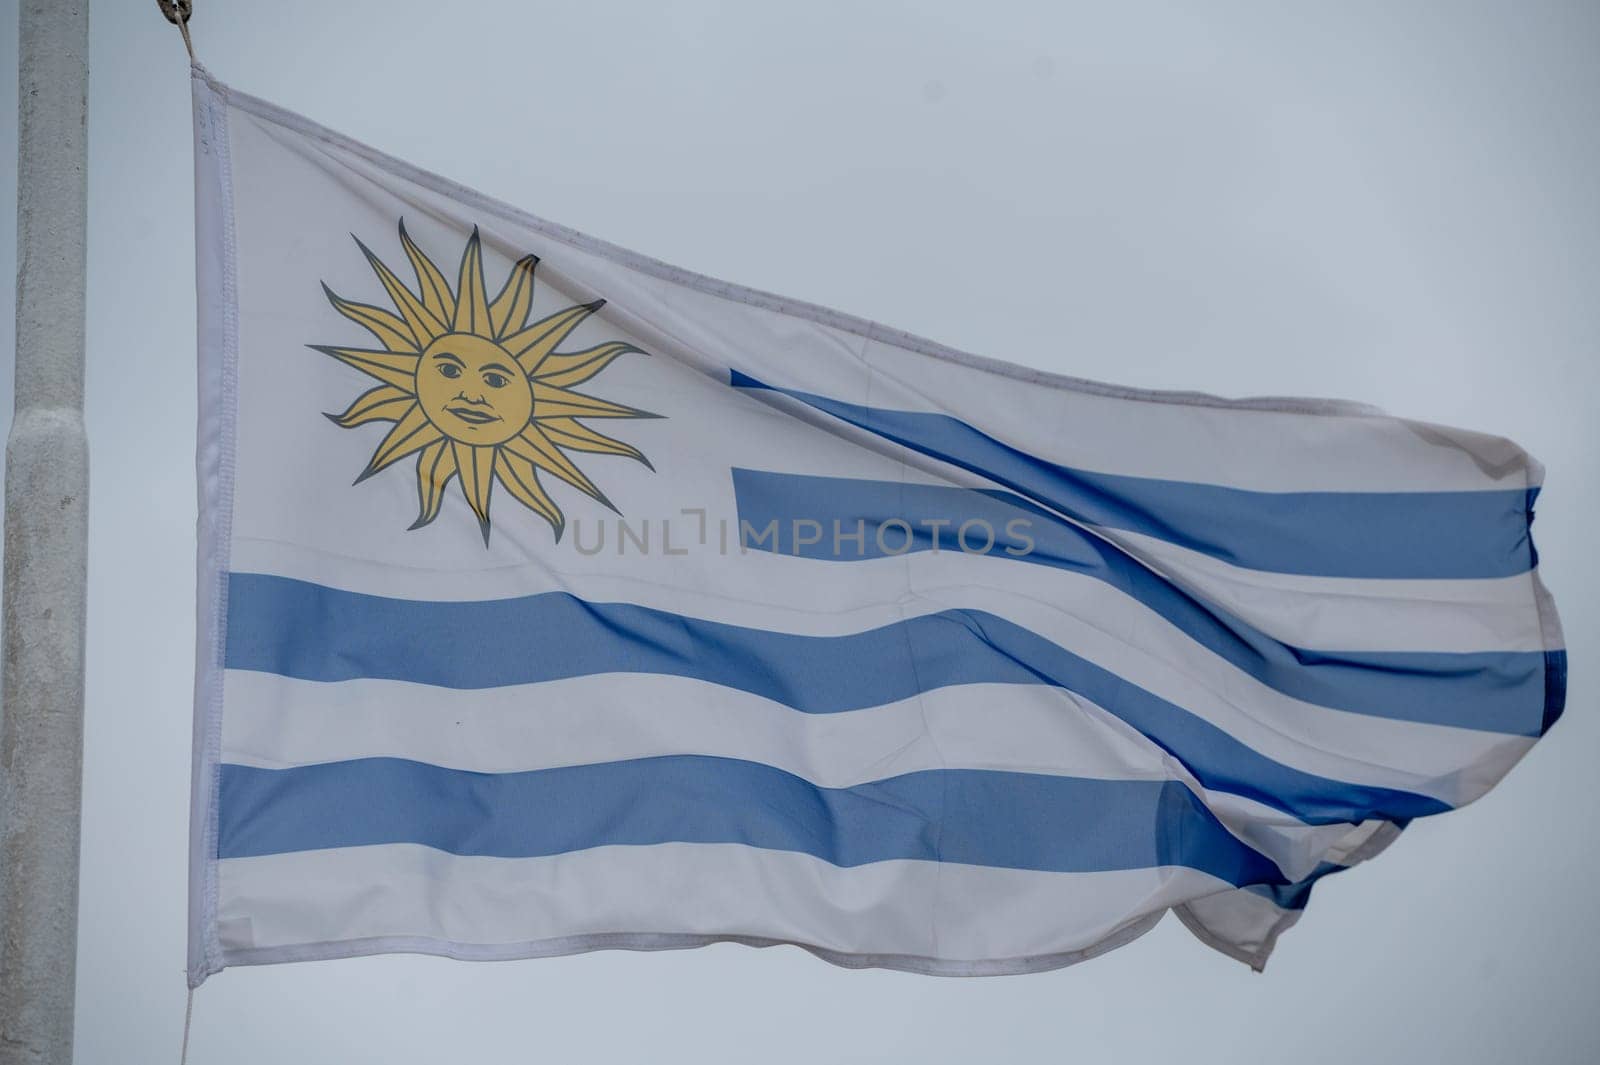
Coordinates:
[1387,201]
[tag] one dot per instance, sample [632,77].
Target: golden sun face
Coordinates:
[472,390]
[476,392]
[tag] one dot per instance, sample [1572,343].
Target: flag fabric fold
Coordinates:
[552,598]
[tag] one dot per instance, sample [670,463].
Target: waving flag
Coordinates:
[552,598]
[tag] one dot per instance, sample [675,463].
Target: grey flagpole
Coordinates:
[46,533]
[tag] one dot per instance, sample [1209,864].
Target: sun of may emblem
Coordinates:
[474,390]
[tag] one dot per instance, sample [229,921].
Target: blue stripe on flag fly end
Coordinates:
[969,817]
[840,519]
[1417,535]
[1555,689]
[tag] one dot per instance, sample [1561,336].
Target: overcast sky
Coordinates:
[1391,202]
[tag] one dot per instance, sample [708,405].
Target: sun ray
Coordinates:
[476,468]
[575,436]
[436,464]
[410,433]
[386,403]
[390,367]
[391,332]
[436,294]
[521,479]
[574,368]
[535,447]
[530,346]
[472,296]
[510,309]
[475,392]
[553,402]
[423,325]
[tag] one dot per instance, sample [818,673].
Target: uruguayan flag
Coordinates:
[552,598]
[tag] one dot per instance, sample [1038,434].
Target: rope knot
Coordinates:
[177,12]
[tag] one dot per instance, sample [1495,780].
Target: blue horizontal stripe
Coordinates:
[1497,691]
[1295,896]
[1454,535]
[298,629]
[1555,688]
[971,817]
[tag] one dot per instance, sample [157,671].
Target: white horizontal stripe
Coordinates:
[923,910]
[1325,613]
[277,722]
[1087,616]
[1352,614]
[1260,450]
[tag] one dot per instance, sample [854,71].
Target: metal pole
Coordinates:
[46,530]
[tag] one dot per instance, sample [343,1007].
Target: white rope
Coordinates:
[188,1016]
